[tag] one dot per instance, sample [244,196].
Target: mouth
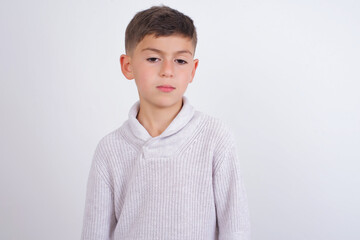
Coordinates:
[165,88]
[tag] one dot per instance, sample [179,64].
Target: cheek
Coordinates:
[144,78]
[142,73]
[185,73]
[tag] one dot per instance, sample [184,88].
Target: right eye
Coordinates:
[152,59]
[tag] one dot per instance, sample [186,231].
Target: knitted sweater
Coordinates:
[184,184]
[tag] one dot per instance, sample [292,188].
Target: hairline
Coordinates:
[131,51]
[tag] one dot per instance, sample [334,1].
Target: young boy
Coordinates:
[169,172]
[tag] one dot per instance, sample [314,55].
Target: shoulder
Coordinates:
[108,146]
[222,144]
[110,139]
[215,125]
[217,131]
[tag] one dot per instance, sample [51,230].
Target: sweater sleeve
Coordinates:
[230,197]
[99,217]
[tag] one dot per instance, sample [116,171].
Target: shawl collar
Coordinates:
[181,119]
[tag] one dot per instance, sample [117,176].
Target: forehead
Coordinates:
[165,44]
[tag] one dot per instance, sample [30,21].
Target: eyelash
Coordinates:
[153,59]
[181,61]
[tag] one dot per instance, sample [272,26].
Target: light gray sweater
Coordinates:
[184,184]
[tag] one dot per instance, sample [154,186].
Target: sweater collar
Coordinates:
[182,118]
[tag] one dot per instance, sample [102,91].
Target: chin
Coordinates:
[168,102]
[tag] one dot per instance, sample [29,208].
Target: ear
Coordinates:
[196,63]
[126,68]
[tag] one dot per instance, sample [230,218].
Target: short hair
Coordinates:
[160,21]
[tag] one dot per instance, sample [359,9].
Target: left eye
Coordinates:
[180,61]
[152,59]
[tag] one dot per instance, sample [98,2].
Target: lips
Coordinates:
[165,88]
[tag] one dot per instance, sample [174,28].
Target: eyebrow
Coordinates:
[159,51]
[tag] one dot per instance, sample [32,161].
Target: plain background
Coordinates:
[284,75]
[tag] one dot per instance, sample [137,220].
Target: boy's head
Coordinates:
[160,45]
[159,21]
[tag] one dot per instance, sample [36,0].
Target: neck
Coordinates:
[155,119]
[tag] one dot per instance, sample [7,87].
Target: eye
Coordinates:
[153,59]
[180,61]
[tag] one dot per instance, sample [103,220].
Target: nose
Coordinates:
[167,69]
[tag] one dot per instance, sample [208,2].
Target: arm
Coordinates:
[230,197]
[99,217]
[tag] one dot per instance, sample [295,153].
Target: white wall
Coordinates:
[287,72]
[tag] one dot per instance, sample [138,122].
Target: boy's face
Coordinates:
[162,61]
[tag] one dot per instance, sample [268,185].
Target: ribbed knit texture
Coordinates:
[184,184]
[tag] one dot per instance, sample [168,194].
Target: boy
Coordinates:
[169,172]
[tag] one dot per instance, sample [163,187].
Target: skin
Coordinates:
[160,61]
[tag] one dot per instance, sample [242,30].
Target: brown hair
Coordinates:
[160,21]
